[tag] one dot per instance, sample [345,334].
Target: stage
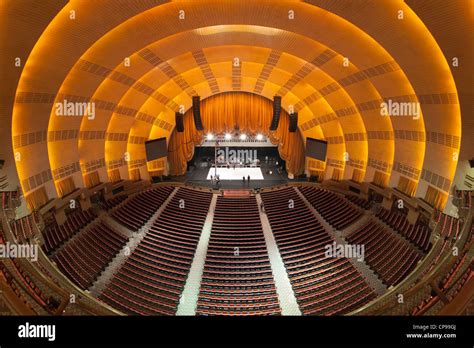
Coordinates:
[264,176]
[236,173]
[266,169]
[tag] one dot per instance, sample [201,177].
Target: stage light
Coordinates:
[228,136]
[259,137]
[209,136]
[243,136]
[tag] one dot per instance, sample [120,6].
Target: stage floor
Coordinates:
[236,174]
[200,175]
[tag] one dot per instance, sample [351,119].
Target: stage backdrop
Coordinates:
[224,112]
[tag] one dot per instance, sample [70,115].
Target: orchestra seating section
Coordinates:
[7,277]
[419,234]
[448,282]
[113,202]
[322,285]
[153,277]
[450,227]
[23,228]
[336,210]
[139,209]
[388,255]
[48,303]
[8,197]
[55,235]
[85,257]
[363,203]
[237,278]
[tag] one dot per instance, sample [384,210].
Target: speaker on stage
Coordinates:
[197,113]
[276,113]
[179,122]
[293,122]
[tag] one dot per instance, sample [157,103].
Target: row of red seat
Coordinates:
[153,277]
[139,209]
[11,282]
[363,203]
[427,303]
[112,202]
[390,257]
[336,210]
[417,233]
[466,197]
[323,285]
[8,197]
[446,282]
[55,235]
[48,303]
[237,277]
[84,258]
[23,228]
[450,226]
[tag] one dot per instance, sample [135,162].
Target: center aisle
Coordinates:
[286,295]
[188,301]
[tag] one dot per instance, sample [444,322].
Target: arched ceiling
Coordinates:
[301,59]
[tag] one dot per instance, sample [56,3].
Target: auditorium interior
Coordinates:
[236,158]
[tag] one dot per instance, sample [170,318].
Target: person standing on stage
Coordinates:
[243,180]
[248,180]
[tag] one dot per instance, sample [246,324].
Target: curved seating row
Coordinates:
[336,210]
[389,256]
[322,285]
[418,233]
[83,259]
[152,279]
[139,209]
[55,235]
[237,277]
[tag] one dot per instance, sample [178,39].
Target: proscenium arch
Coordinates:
[221,113]
[296,5]
[340,89]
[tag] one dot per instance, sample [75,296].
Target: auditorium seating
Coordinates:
[450,226]
[425,305]
[139,209]
[322,285]
[336,210]
[8,197]
[418,233]
[390,257]
[84,258]
[48,303]
[112,202]
[55,235]
[447,284]
[153,277]
[12,283]
[363,203]
[23,228]
[237,278]
[448,279]
[465,277]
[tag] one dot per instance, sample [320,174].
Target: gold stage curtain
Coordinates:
[226,112]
